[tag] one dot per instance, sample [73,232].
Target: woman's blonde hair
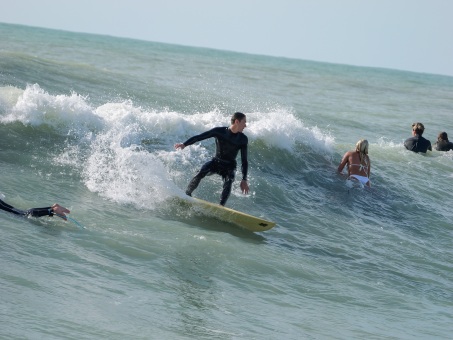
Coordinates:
[362,148]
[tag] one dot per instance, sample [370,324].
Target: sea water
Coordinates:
[90,122]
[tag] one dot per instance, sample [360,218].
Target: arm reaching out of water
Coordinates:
[55,209]
[59,211]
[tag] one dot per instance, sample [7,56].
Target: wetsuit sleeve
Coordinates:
[200,137]
[39,212]
[35,212]
[245,163]
[9,208]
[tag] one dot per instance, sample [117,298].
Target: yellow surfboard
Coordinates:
[243,220]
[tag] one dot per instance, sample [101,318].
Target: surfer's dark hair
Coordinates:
[237,115]
[442,136]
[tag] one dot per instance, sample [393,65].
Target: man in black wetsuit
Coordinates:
[443,144]
[229,141]
[55,209]
[417,143]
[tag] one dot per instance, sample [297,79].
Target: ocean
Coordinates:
[90,121]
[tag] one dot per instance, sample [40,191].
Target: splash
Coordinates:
[282,129]
[125,152]
[34,106]
[126,174]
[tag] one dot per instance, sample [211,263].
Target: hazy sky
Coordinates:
[414,35]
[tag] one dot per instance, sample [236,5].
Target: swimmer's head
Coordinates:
[362,146]
[442,136]
[237,115]
[418,128]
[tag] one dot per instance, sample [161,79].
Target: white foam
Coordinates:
[283,130]
[34,106]
[125,175]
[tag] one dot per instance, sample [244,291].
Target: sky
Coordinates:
[412,35]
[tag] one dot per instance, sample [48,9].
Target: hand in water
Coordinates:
[244,187]
[60,211]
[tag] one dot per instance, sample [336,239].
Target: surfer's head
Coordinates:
[237,115]
[238,122]
[442,136]
[362,146]
[418,128]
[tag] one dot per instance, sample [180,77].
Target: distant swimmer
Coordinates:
[55,209]
[358,162]
[417,143]
[229,141]
[442,143]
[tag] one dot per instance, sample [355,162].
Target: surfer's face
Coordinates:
[241,124]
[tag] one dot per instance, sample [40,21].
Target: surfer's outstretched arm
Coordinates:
[55,209]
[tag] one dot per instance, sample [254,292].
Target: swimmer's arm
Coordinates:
[343,162]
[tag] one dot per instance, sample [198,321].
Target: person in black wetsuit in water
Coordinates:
[443,144]
[55,209]
[417,143]
[229,141]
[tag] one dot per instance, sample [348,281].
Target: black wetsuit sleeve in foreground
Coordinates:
[39,212]
[35,212]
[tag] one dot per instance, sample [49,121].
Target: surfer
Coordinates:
[359,165]
[55,209]
[417,143]
[442,143]
[229,141]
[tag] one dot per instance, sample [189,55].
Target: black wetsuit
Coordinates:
[228,145]
[35,212]
[418,144]
[444,145]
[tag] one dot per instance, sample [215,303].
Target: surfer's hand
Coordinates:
[60,211]
[244,187]
[179,146]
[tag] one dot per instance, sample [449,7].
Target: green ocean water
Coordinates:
[90,121]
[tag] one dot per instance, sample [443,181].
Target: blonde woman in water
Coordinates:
[359,165]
